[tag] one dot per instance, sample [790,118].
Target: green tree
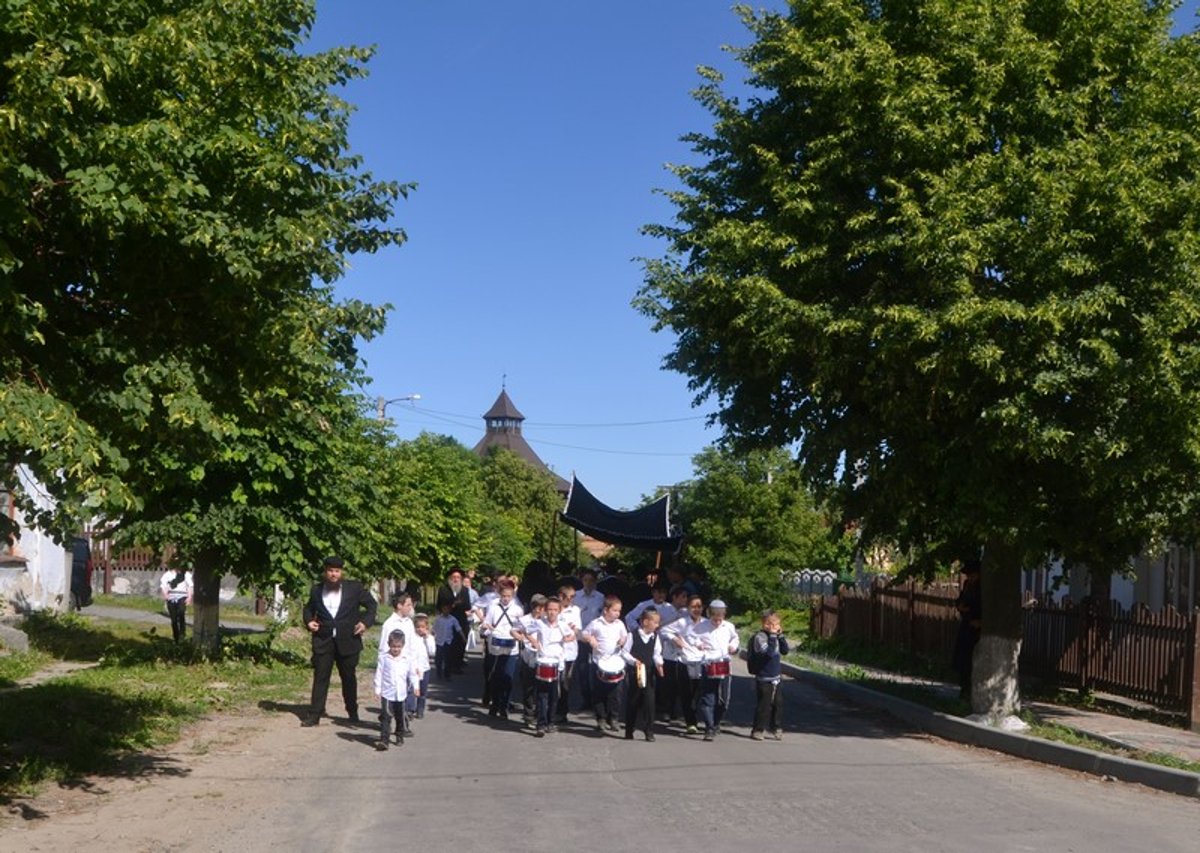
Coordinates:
[522,502]
[749,520]
[438,504]
[949,247]
[176,199]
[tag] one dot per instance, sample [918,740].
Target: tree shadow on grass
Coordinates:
[68,732]
[70,638]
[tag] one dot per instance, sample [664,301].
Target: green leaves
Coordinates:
[176,194]
[950,248]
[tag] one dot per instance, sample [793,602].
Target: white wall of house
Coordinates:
[35,574]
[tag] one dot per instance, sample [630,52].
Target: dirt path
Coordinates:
[211,777]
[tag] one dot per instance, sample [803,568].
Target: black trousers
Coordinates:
[606,699]
[564,691]
[389,710]
[639,705]
[177,609]
[673,689]
[547,700]
[458,647]
[768,710]
[323,664]
[529,689]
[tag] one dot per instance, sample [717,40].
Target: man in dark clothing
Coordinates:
[970,611]
[455,593]
[337,614]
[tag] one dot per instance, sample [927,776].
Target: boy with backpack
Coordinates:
[764,661]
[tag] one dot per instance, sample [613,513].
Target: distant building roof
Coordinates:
[503,408]
[503,422]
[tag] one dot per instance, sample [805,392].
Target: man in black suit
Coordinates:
[337,614]
[456,594]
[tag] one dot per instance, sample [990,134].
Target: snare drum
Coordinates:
[717,668]
[610,669]
[547,670]
[503,645]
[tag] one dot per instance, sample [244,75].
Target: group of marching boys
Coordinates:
[665,657]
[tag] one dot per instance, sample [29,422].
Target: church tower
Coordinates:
[503,429]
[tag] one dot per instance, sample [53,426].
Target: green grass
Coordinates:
[936,700]
[145,689]
[17,665]
[1064,734]
[233,611]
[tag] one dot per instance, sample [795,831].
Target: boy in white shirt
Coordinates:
[606,635]
[548,637]
[424,663]
[400,620]
[498,624]
[395,677]
[718,641]
[643,652]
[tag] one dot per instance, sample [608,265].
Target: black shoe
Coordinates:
[399,740]
[612,727]
[420,715]
[309,722]
[539,732]
[708,734]
[599,725]
[628,735]
[352,715]
[381,745]
[649,737]
[551,729]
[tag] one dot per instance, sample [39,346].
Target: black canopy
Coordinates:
[648,527]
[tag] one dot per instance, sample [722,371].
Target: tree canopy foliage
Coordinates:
[751,521]
[176,200]
[950,247]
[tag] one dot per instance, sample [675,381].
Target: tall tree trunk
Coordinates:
[994,690]
[206,601]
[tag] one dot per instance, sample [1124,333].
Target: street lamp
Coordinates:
[382,404]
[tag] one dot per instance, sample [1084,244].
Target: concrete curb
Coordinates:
[1011,743]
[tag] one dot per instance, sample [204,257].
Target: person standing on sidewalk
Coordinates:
[765,660]
[970,612]
[337,614]
[176,587]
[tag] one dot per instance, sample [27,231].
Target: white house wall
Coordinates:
[44,582]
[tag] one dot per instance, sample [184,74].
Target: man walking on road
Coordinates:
[337,614]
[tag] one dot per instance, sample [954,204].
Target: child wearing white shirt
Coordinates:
[423,660]
[395,677]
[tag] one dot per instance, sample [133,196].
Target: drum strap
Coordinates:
[504,615]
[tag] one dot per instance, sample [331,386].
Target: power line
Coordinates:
[539,441]
[544,424]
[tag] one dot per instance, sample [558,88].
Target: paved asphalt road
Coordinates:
[841,780]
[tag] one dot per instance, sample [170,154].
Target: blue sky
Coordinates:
[537,132]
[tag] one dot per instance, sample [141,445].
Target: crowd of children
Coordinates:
[666,658]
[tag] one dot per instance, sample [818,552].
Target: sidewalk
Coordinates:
[1115,731]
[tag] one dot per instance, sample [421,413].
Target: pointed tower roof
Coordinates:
[503,421]
[503,408]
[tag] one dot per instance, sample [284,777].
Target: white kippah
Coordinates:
[716,604]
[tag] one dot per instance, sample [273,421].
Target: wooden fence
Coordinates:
[1149,657]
